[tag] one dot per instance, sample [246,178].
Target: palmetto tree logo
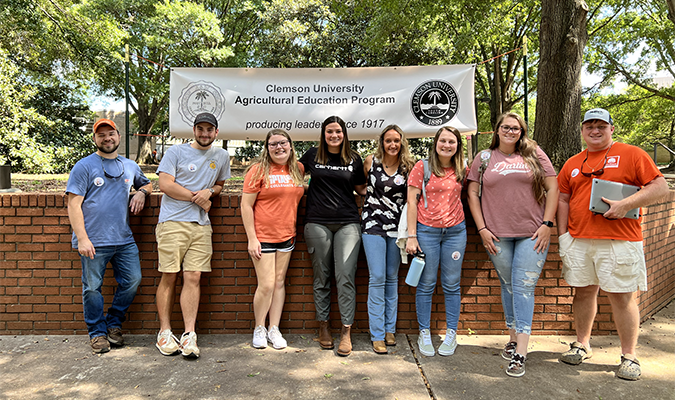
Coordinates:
[434,103]
[201,96]
[198,97]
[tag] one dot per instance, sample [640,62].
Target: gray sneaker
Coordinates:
[447,348]
[424,343]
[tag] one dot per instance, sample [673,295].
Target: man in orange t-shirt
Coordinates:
[604,251]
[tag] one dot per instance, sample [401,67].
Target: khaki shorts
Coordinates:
[186,243]
[617,266]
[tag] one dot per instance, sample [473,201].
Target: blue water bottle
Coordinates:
[415,270]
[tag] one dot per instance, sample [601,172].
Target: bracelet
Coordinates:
[412,236]
[485,227]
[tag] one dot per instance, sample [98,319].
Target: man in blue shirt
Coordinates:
[98,202]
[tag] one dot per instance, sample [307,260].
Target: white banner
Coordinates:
[249,102]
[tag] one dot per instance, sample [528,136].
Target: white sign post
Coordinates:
[249,102]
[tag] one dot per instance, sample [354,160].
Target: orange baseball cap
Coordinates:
[104,121]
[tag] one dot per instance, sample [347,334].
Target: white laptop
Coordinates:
[612,191]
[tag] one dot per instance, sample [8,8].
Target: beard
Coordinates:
[204,142]
[106,151]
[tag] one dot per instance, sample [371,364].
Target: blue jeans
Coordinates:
[127,271]
[518,266]
[384,258]
[444,246]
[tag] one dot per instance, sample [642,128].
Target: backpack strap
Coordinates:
[484,161]
[427,176]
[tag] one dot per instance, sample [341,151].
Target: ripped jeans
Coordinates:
[518,266]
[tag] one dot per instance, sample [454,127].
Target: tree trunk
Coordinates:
[671,10]
[562,38]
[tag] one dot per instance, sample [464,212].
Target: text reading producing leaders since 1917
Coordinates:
[298,124]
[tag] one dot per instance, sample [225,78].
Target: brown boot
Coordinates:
[379,347]
[345,347]
[325,338]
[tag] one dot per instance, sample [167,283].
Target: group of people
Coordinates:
[513,195]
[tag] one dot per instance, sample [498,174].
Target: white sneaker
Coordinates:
[259,337]
[447,348]
[424,343]
[188,344]
[167,343]
[274,337]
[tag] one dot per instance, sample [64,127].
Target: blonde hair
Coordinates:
[457,159]
[528,150]
[264,162]
[404,156]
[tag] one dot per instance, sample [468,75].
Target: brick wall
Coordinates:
[40,287]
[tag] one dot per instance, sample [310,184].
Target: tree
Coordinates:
[38,136]
[627,39]
[562,39]
[465,32]
[160,34]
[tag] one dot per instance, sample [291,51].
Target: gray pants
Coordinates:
[334,247]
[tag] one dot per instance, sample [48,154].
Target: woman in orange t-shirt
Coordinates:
[273,187]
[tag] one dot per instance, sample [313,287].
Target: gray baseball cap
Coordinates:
[206,117]
[598,113]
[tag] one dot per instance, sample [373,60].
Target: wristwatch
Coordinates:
[145,192]
[212,191]
[548,223]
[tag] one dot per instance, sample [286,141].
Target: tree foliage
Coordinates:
[630,38]
[39,125]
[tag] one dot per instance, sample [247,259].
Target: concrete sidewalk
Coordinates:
[63,367]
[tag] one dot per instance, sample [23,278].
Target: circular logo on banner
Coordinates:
[434,103]
[199,97]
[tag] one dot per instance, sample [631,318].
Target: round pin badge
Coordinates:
[575,172]
[192,168]
[98,181]
[456,255]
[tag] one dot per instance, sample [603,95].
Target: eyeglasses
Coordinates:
[598,172]
[507,129]
[282,143]
[106,172]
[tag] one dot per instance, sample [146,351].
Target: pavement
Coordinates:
[63,367]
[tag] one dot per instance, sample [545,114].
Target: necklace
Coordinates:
[506,154]
[601,160]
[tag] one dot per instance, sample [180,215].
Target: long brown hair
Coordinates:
[265,161]
[404,156]
[528,150]
[346,152]
[457,159]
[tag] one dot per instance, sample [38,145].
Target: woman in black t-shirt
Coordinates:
[332,226]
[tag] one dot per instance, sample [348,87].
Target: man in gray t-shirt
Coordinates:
[189,175]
